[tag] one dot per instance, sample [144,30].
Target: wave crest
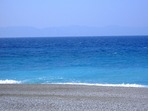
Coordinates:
[9,82]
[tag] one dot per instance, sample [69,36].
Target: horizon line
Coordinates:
[76,36]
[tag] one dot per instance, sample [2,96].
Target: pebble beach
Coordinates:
[58,97]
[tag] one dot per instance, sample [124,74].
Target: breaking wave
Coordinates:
[9,82]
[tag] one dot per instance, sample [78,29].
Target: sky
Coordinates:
[43,14]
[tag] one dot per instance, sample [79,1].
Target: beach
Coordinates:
[60,97]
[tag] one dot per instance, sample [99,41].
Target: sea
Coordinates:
[102,61]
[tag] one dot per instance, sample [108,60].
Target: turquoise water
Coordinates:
[92,60]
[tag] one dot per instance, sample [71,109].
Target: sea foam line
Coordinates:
[110,85]
[86,84]
[9,82]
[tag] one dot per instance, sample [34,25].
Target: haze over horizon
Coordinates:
[28,18]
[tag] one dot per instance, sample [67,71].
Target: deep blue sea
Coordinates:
[75,60]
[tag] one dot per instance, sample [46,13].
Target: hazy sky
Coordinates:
[59,13]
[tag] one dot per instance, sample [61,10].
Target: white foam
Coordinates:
[9,82]
[110,85]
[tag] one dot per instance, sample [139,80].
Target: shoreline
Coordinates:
[60,97]
[7,81]
[104,85]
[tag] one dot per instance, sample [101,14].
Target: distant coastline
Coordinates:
[72,31]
